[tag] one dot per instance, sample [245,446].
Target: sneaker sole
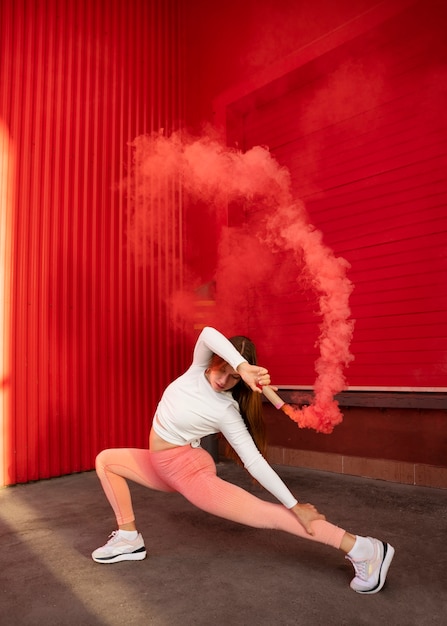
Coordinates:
[388,553]
[138,555]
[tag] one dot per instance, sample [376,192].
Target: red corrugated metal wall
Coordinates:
[362,128]
[82,323]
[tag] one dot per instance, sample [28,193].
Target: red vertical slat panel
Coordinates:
[83,324]
[7,186]
[6,275]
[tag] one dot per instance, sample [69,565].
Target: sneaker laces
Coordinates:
[113,536]
[360,567]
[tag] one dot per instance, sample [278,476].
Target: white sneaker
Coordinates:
[370,575]
[119,549]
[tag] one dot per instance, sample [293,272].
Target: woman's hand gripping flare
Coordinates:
[254,376]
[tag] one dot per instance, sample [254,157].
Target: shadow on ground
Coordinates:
[204,571]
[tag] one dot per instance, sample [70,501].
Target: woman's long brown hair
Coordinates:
[250,403]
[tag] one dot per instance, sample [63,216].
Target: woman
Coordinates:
[220,393]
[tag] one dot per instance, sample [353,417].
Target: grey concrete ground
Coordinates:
[205,571]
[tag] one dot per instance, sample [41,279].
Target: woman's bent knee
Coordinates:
[102,459]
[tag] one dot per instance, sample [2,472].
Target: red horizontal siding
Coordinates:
[362,129]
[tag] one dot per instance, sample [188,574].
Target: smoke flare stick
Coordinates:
[273,397]
[321,417]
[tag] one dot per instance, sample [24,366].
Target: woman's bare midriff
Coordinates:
[157,444]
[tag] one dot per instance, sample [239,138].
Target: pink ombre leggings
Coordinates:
[192,472]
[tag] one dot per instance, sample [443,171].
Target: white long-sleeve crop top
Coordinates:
[190,409]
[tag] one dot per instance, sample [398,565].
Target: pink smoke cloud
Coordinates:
[204,170]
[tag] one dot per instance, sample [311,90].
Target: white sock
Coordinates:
[130,535]
[363,549]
